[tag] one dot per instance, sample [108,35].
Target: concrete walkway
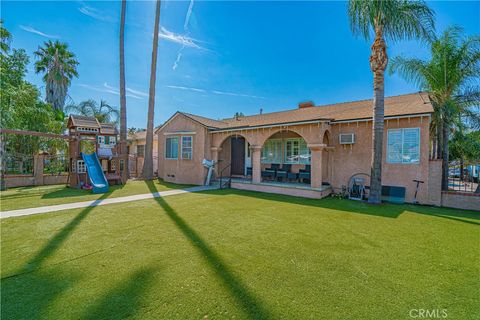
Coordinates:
[102,202]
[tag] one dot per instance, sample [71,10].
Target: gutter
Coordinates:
[412,115]
[285,124]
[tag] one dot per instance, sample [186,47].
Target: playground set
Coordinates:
[95,155]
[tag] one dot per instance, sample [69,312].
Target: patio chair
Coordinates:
[305,174]
[270,172]
[283,173]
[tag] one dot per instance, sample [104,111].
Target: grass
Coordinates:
[229,254]
[29,197]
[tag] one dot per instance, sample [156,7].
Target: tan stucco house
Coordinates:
[329,143]
[136,152]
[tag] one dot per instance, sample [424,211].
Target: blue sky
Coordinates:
[217,58]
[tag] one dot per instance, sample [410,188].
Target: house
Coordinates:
[136,151]
[325,145]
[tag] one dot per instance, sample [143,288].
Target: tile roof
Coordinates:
[407,104]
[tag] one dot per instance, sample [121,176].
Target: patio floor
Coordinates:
[286,188]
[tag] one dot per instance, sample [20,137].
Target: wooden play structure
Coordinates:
[87,136]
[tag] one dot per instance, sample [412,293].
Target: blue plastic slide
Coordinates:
[95,173]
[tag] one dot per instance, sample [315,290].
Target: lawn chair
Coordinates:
[305,174]
[283,173]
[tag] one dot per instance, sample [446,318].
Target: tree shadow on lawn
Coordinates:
[73,192]
[35,288]
[250,304]
[124,300]
[386,210]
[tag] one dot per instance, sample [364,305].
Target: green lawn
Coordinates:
[29,197]
[229,254]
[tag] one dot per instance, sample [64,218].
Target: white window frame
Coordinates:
[402,132]
[171,137]
[300,141]
[189,149]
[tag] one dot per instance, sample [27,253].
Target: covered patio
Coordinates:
[288,159]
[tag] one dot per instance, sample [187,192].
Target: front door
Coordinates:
[238,156]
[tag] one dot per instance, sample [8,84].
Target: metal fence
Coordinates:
[463,177]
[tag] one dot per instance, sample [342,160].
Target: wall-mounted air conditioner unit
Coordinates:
[347,138]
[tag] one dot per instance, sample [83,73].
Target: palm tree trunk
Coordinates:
[445,157]
[123,101]
[377,139]
[148,162]
[378,63]
[439,141]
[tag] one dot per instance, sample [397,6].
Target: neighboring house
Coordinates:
[136,151]
[333,142]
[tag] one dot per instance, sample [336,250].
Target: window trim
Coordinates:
[191,147]
[402,130]
[165,153]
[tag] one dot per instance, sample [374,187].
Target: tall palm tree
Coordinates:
[59,66]
[103,112]
[452,78]
[123,100]
[148,162]
[393,20]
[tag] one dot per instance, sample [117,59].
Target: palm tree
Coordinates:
[59,66]
[104,112]
[451,77]
[393,20]
[123,101]
[148,162]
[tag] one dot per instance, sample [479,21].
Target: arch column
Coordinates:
[215,151]
[316,164]
[256,165]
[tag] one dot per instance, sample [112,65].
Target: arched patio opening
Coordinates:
[285,157]
[234,157]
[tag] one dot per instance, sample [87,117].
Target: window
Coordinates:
[113,141]
[141,150]
[101,139]
[403,145]
[171,148]
[81,168]
[272,151]
[187,147]
[296,151]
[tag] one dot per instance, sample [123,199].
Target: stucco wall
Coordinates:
[338,164]
[351,159]
[461,200]
[182,170]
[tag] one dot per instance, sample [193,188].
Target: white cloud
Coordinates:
[136,92]
[109,89]
[237,94]
[177,38]
[216,92]
[35,31]
[185,28]
[94,13]
[186,88]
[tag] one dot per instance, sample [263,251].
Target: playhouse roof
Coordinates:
[82,121]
